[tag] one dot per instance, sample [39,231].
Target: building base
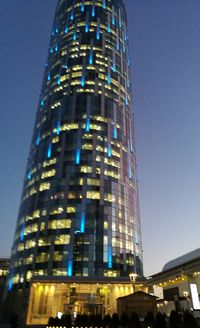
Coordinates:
[51,297]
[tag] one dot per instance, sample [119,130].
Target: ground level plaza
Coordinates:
[48,297]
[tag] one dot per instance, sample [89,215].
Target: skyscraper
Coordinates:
[79,212]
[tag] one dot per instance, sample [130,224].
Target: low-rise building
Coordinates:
[4,266]
[139,302]
[177,286]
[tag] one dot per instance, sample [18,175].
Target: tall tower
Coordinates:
[79,212]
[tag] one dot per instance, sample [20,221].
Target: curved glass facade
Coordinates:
[79,212]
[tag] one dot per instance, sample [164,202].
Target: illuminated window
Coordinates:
[62,240]
[48,174]
[59,224]
[93,195]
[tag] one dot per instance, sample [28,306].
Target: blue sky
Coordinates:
[165,54]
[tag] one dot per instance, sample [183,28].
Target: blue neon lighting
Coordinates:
[109,79]
[66,29]
[115,133]
[37,141]
[22,233]
[114,67]
[82,7]
[125,36]
[126,100]
[72,15]
[120,24]
[42,102]
[69,270]
[52,33]
[82,225]
[109,257]
[56,48]
[74,36]
[109,151]
[93,11]
[108,28]
[87,124]
[56,29]
[10,284]
[65,66]
[98,35]
[86,27]
[58,81]
[29,175]
[91,59]
[58,128]
[113,20]
[49,151]
[51,50]
[82,81]
[78,156]
[49,77]
[104,4]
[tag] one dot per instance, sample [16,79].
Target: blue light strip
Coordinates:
[87,27]
[113,20]
[29,175]
[115,133]
[10,284]
[69,269]
[22,233]
[37,141]
[87,124]
[58,128]
[78,156]
[82,81]
[66,29]
[56,48]
[109,79]
[82,225]
[74,36]
[104,4]
[98,34]
[58,80]
[109,151]
[109,257]
[49,151]
[49,76]
[72,15]
[93,11]
[82,6]
[91,59]
[42,102]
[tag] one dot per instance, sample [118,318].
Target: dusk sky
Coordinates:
[164,38]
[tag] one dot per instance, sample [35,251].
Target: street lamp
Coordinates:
[133,277]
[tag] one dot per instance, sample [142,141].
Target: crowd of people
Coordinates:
[160,320]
